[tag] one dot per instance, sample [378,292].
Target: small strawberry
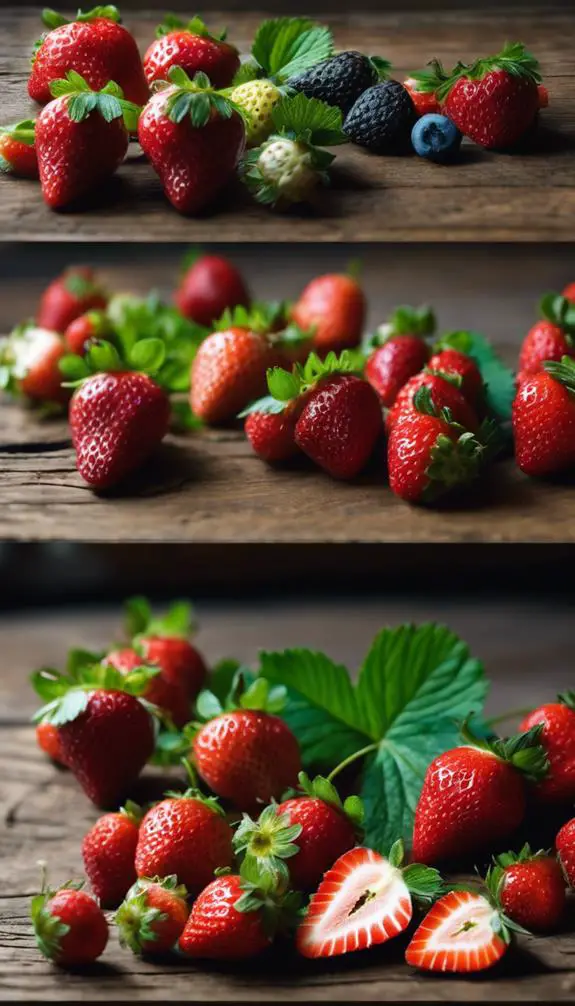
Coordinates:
[451,361]
[186,835]
[29,364]
[192,47]
[81,138]
[48,740]
[152,916]
[425,102]
[530,889]
[272,433]
[475,796]
[258,99]
[194,139]
[69,296]
[558,739]
[209,285]
[463,932]
[108,851]
[334,306]
[364,900]
[18,149]
[551,338]
[444,393]
[565,845]
[86,329]
[94,45]
[544,420]
[69,926]
[399,351]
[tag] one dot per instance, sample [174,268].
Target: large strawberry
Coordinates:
[209,285]
[544,420]
[444,393]
[550,338]
[529,887]
[558,738]
[18,149]
[69,926]
[399,351]
[189,45]
[29,364]
[152,916]
[94,45]
[194,139]
[108,851]
[462,933]
[334,307]
[70,295]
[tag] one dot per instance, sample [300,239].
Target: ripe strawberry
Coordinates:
[272,434]
[88,327]
[565,845]
[558,739]
[544,420]
[30,359]
[69,296]
[530,889]
[425,102]
[209,285]
[340,424]
[194,139]
[18,149]
[81,138]
[228,372]
[258,99]
[399,351]
[186,835]
[444,393]
[451,361]
[192,47]
[363,900]
[475,796]
[94,45]
[151,918]
[550,338]
[569,292]
[108,851]
[48,740]
[69,925]
[463,932]
[334,306]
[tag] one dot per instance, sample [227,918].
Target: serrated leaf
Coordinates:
[499,378]
[273,40]
[311,47]
[321,123]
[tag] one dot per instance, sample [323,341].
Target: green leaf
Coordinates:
[208,705]
[73,368]
[273,40]
[81,106]
[317,121]
[247,72]
[499,378]
[109,107]
[221,678]
[148,355]
[104,357]
[200,107]
[310,48]
[282,384]
[180,107]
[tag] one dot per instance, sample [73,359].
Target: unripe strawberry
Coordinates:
[257,98]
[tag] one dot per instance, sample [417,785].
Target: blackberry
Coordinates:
[382,119]
[338,80]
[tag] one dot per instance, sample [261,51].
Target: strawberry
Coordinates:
[451,361]
[18,149]
[334,306]
[444,393]
[81,138]
[209,285]
[363,900]
[69,296]
[48,740]
[399,351]
[272,434]
[94,45]
[30,359]
[194,139]
[565,845]
[529,888]
[544,420]
[69,926]
[551,338]
[543,94]
[186,835]
[108,851]
[258,99]
[425,102]
[558,739]
[463,932]
[569,292]
[475,796]
[192,47]
[86,329]
[228,372]
[152,917]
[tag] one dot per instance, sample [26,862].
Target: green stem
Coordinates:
[353,757]
[513,714]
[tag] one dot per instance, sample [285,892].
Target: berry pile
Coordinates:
[195,108]
[256,850]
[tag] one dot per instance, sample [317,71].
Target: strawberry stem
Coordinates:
[350,759]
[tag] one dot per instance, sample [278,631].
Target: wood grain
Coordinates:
[487,197]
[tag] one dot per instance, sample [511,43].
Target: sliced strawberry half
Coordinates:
[462,932]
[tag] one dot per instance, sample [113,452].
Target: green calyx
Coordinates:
[52,19]
[262,317]
[132,811]
[284,386]
[563,372]
[195,26]
[146,356]
[513,59]
[284,47]
[264,891]
[192,793]
[559,311]
[49,930]
[418,321]
[197,100]
[321,788]
[452,461]
[66,695]
[178,622]
[269,841]
[22,132]
[567,699]
[425,883]
[523,751]
[257,695]
[136,920]
[82,100]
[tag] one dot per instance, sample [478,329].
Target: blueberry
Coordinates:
[435,137]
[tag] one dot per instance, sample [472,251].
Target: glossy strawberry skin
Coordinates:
[99,50]
[107,745]
[117,420]
[543,418]
[451,361]
[20,158]
[326,834]
[565,845]
[272,435]
[216,930]
[247,757]
[179,680]
[340,424]
[495,111]
[108,851]
[470,801]
[544,341]
[167,929]
[48,740]
[533,894]
[425,102]
[390,366]
[229,372]
[208,287]
[183,836]
[558,739]
[70,295]
[411,442]
[447,918]
[88,931]
[194,54]
[87,327]
[444,395]
[192,163]
[334,306]
[75,157]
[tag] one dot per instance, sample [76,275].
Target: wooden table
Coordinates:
[486,197]
[44,815]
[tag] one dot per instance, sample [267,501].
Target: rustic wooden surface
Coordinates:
[44,815]
[487,197]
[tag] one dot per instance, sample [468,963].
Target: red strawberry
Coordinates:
[69,925]
[30,359]
[88,327]
[194,139]
[340,424]
[151,918]
[108,851]
[228,372]
[558,739]
[544,420]
[48,740]
[463,932]
[171,698]
[362,901]
[72,294]
[475,796]
[530,889]
[18,149]
[186,835]
[190,45]
[444,393]
[565,845]
[210,285]
[96,46]
[425,102]
[543,96]
[272,434]
[451,361]
[550,338]
[399,351]
[334,307]
[569,292]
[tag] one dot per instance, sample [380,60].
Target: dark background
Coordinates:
[317,6]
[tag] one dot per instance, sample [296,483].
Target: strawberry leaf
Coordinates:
[288,45]
[311,119]
[148,355]
[498,378]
